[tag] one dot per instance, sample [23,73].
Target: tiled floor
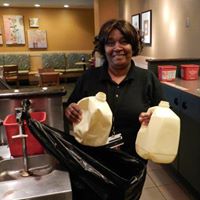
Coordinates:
[162,184]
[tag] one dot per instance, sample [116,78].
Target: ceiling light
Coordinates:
[37,5]
[6,4]
[66,6]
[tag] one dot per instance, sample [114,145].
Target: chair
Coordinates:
[48,77]
[10,74]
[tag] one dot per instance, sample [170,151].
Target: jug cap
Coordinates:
[101,96]
[164,104]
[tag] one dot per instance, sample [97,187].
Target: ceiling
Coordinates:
[49,3]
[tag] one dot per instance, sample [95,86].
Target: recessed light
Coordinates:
[6,4]
[37,5]
[66,6]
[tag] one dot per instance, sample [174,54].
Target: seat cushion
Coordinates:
[53,60]
[73,58]
[21,60]
[1,60]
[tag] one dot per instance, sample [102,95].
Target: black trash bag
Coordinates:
[97,173]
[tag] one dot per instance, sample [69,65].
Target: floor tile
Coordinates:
[160,177]
[151,194]
[173,192]
[152,166]
[148,182]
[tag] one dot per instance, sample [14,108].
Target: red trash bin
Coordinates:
[12,128]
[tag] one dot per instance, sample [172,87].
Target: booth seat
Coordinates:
[55,61]
[21,60]
[66,63]
[73,58]
[73,66]
[1,60]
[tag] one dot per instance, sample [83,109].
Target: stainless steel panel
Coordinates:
[51,105]
[46,182]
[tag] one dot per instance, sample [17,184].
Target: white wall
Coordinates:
[171,38]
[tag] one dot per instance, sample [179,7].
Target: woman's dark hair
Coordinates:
[128,31]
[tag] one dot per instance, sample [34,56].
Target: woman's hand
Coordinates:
[145,117]
[73,113]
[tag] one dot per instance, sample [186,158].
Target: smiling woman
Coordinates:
[129,90]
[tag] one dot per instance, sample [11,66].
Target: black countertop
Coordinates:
[32,92]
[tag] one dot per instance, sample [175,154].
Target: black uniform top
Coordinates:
[135,94]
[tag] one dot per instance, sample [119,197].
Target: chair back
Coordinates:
[10,73]
[43,70]
[48,77]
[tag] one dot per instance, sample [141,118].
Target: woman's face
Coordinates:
[118,51]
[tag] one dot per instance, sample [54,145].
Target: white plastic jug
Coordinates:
[160,139]
[96,123]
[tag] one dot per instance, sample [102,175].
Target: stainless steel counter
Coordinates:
[51,182]
[46,181]
[4,152]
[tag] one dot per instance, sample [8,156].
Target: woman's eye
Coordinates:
[123,42]
[110,43]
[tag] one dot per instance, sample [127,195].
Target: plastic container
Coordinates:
[160,139]
[167,72]
[189,72]
[96,123]
[12,128]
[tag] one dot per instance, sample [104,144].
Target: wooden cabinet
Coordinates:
[187,106]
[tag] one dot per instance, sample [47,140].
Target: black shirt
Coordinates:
[135,94]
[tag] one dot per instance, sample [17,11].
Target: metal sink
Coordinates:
[45,182]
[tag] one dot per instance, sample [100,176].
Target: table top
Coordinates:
[36,73]
[81,63]
[49,73]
